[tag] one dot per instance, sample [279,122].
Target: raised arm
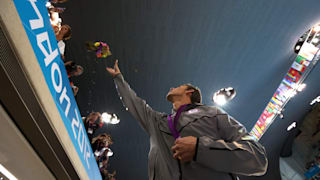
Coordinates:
[135,105]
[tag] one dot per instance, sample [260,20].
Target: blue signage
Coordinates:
[312,171]
[35,19]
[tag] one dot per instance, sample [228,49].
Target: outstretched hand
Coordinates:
[115,70]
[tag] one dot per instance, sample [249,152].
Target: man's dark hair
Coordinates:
[196,94]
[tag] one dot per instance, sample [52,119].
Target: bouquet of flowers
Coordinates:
[101,49]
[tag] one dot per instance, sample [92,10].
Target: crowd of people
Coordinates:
[100,143]
[63,33]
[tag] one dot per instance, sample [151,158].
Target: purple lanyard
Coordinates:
[173,125]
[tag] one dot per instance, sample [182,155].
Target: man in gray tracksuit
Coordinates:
[203,142]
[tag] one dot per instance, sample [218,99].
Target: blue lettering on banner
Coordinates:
[35,19]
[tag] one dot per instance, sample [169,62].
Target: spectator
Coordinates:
[103,164]
[73,69]
[53,9]
[75,89]
[100,142]
[55,20]
[92,122]
[62,35]
[103,159]
[106,175]
[112,176]
[56,28]
[58,1]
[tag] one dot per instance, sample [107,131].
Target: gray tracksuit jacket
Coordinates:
[223,148]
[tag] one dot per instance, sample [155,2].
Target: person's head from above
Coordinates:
[184,94]
[64,32]
[58,1]
[77,71]
[106,139]
[93,117]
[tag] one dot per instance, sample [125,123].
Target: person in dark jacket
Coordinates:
[195,141]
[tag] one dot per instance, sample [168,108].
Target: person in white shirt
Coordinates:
[63,34]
